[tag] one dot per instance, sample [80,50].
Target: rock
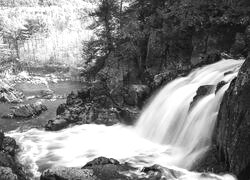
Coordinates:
[9,167]
[73,99]
[56,125]
[9,145]
[101,161]
[105,168]
[61,109]
[201,92]
[26,110]
[46,94]
[231,137]
[64,173]
[220,85]
[7,174]
[1,138]
[158,172]
[6,160]
[10,95]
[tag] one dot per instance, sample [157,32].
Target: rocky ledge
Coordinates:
[96,104]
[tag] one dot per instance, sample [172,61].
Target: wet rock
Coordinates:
[9,167]
[201,92]
[101,161]
[105,168]
[9,145]
[64,173]
[73,99]
[56,124]
[220,85]
[157,172]
[231,137]
[26,110]
[1,138]
[61,109]
[6,160]
[7,174]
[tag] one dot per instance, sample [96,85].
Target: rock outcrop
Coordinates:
[96,104]
[10,169]
[200,93]
[26,110]
[231,138]
[9,94]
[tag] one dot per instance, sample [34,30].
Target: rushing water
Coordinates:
[167,133]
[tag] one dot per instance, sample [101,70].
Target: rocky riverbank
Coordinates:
[10,168]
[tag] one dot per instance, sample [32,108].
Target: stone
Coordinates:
[9,145]
[101,161]
[107,168]
[201,92]
[220,85]
[7,174]
[61,109]
[1,138]
[56,125]
[65,173]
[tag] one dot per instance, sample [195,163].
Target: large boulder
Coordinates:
[56,124]
[107,168]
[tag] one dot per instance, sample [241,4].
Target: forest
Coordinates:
[124,89]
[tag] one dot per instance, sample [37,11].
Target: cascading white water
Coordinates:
[169,120]
[177,136]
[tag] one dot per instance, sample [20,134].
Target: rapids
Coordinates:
[167,133]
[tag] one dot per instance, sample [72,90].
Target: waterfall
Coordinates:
[169,120]
[168,132]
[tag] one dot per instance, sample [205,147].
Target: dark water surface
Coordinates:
[60,88]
